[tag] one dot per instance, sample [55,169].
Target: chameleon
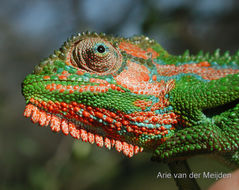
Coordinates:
[132,95]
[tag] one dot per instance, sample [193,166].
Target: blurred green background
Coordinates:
[35,158]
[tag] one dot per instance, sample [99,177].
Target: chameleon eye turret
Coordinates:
[96,55]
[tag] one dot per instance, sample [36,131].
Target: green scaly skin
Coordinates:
[132,94]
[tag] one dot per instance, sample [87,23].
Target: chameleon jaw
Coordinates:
[57,124]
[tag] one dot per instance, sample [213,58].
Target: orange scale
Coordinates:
[102,85]
[89,108]
[75,133]
[90,120]
[82,106]
[63,104]
[124,85]
[155,119]
[50,108]
[109,120]
[140,119]
[64,72]
[74,103]
[154,77]
[55,123]
[162,128]
[62,90]
[99,115]
[99,140]
[119,89]
[79,73]
[46,77]
[92,88]
[48,119]
[32,100]
[71,91]
[58,86]
[112,114]
[62,77]
[35,115]
[28,110]
[42,118]
[136,149]
[140,132]
[157,132]
[83,135]
[64,126]
[97,89]
[48,87]
[91,138]
[107,143]
[125,122]
[125,148]
[118,146]
[118,125]
[81,90]
[172,115]
[64,109]
[76,87]
[113,87]
[166,121]
[76,109]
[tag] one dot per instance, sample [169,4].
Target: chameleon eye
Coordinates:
[96,55]
[100,48]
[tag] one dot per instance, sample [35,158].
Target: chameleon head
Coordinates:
[103,90]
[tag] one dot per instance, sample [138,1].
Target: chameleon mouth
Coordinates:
[57,124]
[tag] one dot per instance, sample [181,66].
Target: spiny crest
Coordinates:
[216,58]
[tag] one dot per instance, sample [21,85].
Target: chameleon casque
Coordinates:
[133,95]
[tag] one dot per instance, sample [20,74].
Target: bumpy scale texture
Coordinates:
[133,95]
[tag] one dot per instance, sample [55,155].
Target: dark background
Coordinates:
[35,158]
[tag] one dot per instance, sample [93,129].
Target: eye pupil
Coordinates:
[101,49]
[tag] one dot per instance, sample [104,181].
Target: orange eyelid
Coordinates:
[94,62]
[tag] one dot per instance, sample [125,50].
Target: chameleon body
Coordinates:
[133,95]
